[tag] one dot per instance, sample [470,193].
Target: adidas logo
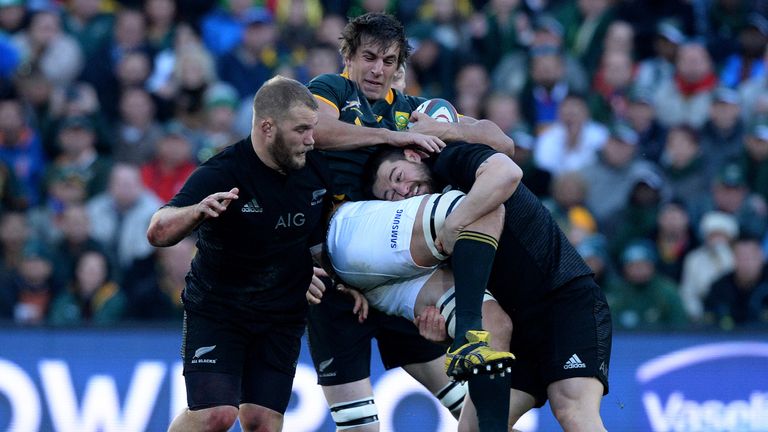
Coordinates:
[574,363]
[252,206]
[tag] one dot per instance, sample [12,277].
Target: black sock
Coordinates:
[491,399]
[472,260]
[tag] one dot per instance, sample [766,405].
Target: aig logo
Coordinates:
[291,220]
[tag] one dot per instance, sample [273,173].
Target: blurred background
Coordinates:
[641,124]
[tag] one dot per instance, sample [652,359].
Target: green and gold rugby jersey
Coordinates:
[391,113]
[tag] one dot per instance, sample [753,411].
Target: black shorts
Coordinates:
[566,334]
[341,347]
[227,363]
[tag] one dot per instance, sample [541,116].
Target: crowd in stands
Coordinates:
[641,124]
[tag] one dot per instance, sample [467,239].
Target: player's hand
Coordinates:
[446,237]
[361,303]
[424,124]
[431,325]
[215,204]
[316,286]
[428,143]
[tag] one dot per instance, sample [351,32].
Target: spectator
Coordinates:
[723,134]
[76,100]
[674,238]
[129,36]
[504,110]
[595,253]
[611,176]
[546,89]
[256,58]
[14,235]
[44,46]
[156,294]
[499,29]
[637,220]
[77,144]
[567,206]
[161,25]
[511,73]
[753,93]
[754,158]
[683,165]
[661,66]
[223,28]
[162,82]
[433,64]
[329,30]
[12,15]
[93,297]
[686,97]
[747,63]
[32,285]
[472,86]
[642,298]
[537,179]
[586,23]
[74,225]
[611,87]
[619,38]
[730,194]
[137,130]
[65,187]
[221,104]
[573,142]
[123,213]
[707,263]
[641,117]
[297,22]
[740,297]
[21,150]
[92,28]
[166,173]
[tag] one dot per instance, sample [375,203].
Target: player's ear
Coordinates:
[412,155]
[266,126]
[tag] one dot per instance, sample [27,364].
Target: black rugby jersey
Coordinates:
[253,260]
[533,256]
[392,112]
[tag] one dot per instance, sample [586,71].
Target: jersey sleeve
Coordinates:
[319,161]
[204,181]
[458,163]
[330,89]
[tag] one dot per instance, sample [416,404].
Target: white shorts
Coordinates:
[369,242]
[398,296]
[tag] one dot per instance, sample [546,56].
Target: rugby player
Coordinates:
[257,208]
[359,111]
[562,336]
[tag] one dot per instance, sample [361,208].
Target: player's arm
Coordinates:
[334,134]
[467,129]
[496,179]
[171,224]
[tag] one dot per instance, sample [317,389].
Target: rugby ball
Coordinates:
[440,110]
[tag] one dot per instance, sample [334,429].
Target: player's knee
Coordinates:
[260,420]
[498,323]
[359,413]
[452,396]
[219,418]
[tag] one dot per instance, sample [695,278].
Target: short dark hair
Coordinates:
[383,153]
[278,95]
[381,29]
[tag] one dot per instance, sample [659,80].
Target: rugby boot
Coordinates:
[476,357]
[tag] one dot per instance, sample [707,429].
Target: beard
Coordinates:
[425,179]
[283,156]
